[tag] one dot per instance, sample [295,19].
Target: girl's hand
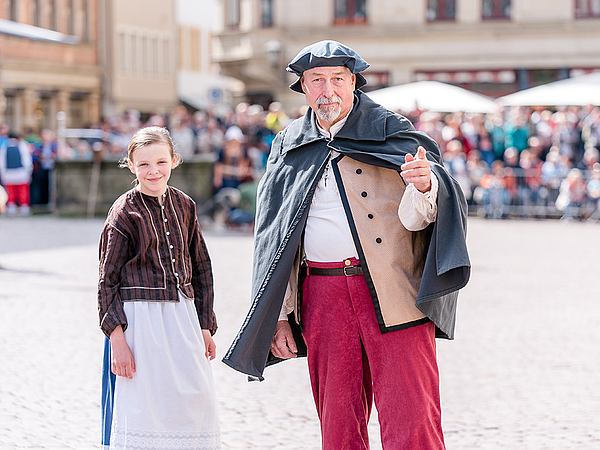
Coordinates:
[121,362]
[209,343]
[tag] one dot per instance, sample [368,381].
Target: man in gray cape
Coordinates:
[359,255]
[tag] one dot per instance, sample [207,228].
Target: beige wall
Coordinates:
[543,10]
[396,13]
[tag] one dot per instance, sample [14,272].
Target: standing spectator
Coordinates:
[543,129]
[590,157]
[532,176]
[455,162]
[476,168]
[593,188]
[495,127]
[511,174]
[15,171]
[565,135]
[590,129]
[573,194]
[484,145]
[491,192]
[276,119]
[3,199]
[430,124]
[183,136]
[3,133]
[453,132]
[3,137]
[517,131]
[210,140]
[234,166]
[44,155]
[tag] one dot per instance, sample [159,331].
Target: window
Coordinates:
[155,56]
[441,10]
[232,14]
[123,52]
[133,53]
[13,10]
[86,21]
[266,13]
[195,48]
[496,9]
[70,13]
[36,10]
[167,57]
[52,17]
[144,52]
[350,11]
[587,8]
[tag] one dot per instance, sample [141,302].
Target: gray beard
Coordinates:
[329,114]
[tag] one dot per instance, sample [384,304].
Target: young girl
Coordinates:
[155,300]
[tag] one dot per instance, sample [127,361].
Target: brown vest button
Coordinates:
[364,194]
[378,240]
[359,171]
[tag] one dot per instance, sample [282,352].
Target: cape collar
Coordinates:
[366,122]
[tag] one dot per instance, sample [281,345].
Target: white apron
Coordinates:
[170,403]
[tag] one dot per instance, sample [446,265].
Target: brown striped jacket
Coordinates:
[148,252]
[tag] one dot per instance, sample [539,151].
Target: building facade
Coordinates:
[494,47]
[138,53]
[199,83]
[49,63]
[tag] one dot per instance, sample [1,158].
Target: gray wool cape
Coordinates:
[373,135]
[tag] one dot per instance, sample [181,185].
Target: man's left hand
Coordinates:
[416,170]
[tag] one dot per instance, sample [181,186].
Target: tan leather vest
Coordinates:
[394,256]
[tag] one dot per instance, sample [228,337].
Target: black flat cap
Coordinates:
[327,54]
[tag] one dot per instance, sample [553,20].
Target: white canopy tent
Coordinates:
[579,91]
[432,96]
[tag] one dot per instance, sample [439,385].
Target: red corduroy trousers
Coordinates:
[350,362]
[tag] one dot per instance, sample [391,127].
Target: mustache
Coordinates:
[332,99]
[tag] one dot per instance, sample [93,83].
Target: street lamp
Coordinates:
[273,49]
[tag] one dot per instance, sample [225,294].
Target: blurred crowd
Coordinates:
[516,162]
[237,142]
[525,162]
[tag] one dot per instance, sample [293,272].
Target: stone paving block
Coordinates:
[522,373]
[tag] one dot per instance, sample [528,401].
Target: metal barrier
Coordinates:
[521,193]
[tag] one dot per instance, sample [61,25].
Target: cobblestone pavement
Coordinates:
[523,372]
